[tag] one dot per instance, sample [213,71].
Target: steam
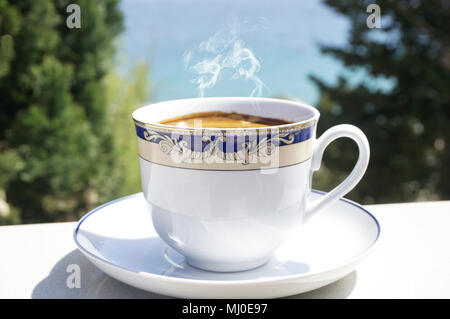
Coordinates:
[225,51]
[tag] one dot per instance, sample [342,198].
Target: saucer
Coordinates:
[118,237]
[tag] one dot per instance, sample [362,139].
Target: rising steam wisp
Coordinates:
[224,50]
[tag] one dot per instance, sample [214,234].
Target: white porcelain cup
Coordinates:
[227,198]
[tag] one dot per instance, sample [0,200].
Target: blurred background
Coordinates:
[67,141]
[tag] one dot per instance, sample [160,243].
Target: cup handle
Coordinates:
[335,132]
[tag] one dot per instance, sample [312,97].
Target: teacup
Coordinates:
[227,198]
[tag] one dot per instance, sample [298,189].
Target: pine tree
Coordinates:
[403,104]
[55,145]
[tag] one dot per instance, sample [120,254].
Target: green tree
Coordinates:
[408,123]
[56,148]
[124,94]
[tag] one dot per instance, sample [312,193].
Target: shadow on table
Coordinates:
[96,284]
[337,290]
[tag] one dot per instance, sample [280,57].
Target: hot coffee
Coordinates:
[222,120]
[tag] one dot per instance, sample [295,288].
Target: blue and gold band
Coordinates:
[225,149]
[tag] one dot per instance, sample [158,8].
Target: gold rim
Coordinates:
[227,131]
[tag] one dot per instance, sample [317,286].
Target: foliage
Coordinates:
[408,123]
[124,94]
[56,145]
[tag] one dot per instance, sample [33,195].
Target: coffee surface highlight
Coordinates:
[222,120]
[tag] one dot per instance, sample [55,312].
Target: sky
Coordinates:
[283,36]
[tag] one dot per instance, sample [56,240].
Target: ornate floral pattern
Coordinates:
[248,151]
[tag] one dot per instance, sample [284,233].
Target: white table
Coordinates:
[412,260]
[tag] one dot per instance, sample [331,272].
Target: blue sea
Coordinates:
[282,37]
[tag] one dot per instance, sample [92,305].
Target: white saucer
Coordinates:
[119,238]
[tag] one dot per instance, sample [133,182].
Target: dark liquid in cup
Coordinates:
[222,120]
